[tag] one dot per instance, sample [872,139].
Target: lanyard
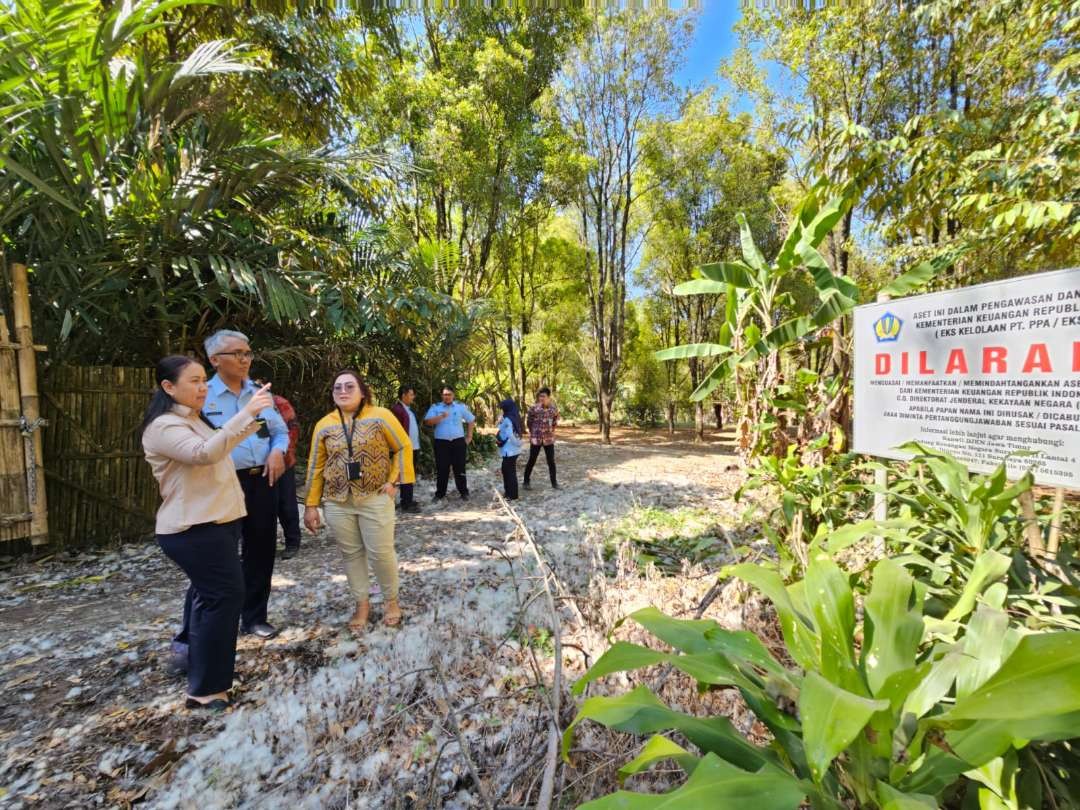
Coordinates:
[350,433]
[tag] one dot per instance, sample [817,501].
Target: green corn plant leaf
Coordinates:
[717,785]
[621,656]
[701,286]
[989,567]
[935,685]
[892,799]
[800,636]
[851,533]
[640,712]
[658,749]
[709,668]
[988,641]
[689,350]
[832,604]
[893,625]
[831,718]
[983,740]
[688,635]
[1039,679]
[936,771]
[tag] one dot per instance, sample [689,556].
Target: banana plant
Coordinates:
[875,709]
[754,292]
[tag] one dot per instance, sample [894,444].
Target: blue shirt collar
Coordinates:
[216,386]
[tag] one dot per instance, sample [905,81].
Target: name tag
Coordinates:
[212,413]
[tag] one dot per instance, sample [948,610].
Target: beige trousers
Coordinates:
[364,530]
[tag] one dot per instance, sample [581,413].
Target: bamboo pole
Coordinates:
[1031,525]
[28,395]
[1054,539]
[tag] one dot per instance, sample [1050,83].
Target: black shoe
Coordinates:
[290,552]
[260,629]
[413,508]
[555,486]
[439,498]
[464,496]
[526,485]
[176,664]
[216,705]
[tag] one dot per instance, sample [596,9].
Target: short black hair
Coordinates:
[403,390]
[449,388]
[544,390]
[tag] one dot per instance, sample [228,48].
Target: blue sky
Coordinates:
[713,41]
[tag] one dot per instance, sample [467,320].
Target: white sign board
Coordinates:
[979,373]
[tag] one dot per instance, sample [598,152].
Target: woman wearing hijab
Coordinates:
[198,522]
[359,456]
[509,440]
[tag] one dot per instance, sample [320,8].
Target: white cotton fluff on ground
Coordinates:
[372,721]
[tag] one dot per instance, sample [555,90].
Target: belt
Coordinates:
[250,471]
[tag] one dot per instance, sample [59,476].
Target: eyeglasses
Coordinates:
[248,355]
[345,387]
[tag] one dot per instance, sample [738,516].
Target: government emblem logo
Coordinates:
[887,328]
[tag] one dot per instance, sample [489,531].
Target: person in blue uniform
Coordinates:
[509,441]
[259,461]
[453,423]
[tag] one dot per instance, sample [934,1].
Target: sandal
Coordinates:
[359,620]
[392,613]
[216,706]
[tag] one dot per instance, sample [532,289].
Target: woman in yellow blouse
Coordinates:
[359,455]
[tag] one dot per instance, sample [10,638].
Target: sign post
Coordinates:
[983,373]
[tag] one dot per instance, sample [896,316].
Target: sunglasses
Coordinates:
[248,355]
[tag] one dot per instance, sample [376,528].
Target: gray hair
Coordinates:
[216,342]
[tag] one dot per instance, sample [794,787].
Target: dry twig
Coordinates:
[547,785]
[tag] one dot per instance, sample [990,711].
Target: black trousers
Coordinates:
[450,453]
[207,554]
[258,545]
[549,455]
[407,489]
[509,474]
[288,514]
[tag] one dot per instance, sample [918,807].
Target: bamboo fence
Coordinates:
[15,514]
[100,489]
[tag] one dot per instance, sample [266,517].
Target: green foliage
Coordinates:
[875,712]
[148,208]
[754,290]
[953,529]
[669,538]
[804,502]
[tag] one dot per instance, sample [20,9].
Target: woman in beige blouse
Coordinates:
[199,517]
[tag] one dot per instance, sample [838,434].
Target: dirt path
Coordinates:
[89,717]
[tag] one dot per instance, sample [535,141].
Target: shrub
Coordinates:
[882,709]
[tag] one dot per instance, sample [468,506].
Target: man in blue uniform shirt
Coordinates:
[453,423]
[259,462]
